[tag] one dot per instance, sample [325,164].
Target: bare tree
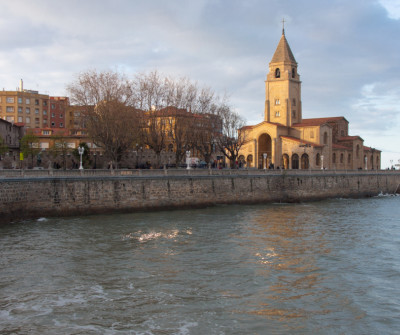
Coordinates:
[177,112]
[110,115]
[231,139]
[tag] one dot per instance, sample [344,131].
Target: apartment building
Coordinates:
[26,107]
[58,112]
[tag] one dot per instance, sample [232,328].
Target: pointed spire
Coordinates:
[283,52]
[283,26]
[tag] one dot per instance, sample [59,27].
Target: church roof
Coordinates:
[349,138]
[370,149]
[318,121]
[283,52]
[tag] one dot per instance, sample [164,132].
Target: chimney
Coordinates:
[21,85]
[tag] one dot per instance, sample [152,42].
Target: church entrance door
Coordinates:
[305,162]
[264,147]
[295,161]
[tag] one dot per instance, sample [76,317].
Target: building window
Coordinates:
[36,111]
[61,125]
[293,72]
[277,73]
[53,124]
[44,112]
[10,118]
[46,132]
[61,116]
[20,110]
[37,120]
[349,159]
[36,102]
[10,109]
[44,121]
[311,133]
[342,133]
[44,103]
[277,102]
[341,158]
[334,158]
[19,118]
[294,102]
[277,114]
[358,151]
[20,100]
[53,106]
[27,110]
[10,100]
[293,114]
[325,138]
[28,101]
[28,119]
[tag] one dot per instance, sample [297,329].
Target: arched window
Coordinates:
[334,158]
[341,158]
[358,151]
[277,73]
[294,102]
[318,160]
[349,159]
[325,138]
[293,73]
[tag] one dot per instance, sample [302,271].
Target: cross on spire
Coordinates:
[283,26]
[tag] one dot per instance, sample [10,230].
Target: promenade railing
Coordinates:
[53,173]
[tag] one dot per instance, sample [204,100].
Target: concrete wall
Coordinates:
[53,196]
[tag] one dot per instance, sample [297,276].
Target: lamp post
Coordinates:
[322,162]
[81,150]
[265,155]
[95,160]
[188,160]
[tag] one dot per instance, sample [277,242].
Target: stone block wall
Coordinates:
[62,196]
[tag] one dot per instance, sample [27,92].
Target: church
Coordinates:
[288,141]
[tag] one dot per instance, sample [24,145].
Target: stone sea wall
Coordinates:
[31,197]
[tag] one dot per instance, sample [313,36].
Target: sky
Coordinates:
[348,52]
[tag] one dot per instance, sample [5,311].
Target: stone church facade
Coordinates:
[286,140]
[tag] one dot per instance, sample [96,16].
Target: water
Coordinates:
[330,267]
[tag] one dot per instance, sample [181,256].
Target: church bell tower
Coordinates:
[283,87]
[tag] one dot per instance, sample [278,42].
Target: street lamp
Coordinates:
[81,150]
[188,159]
[95,160]
[265,155]
[322,162]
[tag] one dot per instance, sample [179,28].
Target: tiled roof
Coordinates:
[283,52]
[318,121]
[370,149]
[350,138]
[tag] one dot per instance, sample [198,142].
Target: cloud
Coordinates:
[347,51]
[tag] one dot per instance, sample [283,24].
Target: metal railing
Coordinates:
[53,173]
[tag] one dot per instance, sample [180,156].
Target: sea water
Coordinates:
[328,267]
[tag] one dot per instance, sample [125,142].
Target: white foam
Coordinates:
[185,328]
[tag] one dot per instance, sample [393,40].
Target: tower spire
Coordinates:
[283,26]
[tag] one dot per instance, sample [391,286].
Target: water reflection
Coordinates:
[287,243]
